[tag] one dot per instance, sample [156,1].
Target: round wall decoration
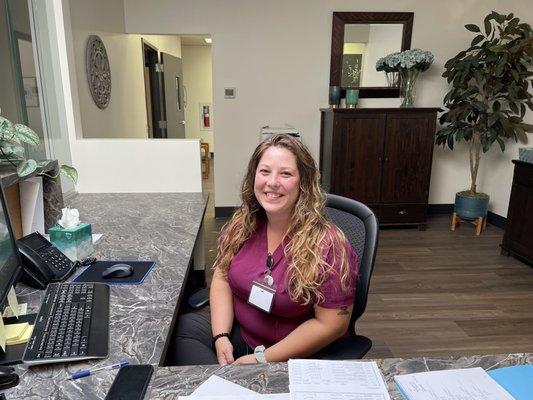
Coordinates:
[98,72]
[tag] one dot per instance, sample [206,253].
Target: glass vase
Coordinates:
[393,78]
[408,78]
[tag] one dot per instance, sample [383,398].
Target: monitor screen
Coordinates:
[10,266]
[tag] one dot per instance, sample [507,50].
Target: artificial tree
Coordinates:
[489,89]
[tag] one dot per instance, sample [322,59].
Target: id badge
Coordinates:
[262,294]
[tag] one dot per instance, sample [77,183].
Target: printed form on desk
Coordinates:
[336,380]
[452,384]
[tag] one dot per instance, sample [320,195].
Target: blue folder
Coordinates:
[517,380]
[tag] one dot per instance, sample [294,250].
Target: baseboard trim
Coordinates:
[440,209]
[492,218]
[496,220]
[224,212]
[433,209]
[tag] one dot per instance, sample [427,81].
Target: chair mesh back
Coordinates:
[352,227]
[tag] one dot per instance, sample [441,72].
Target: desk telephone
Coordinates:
[43,262]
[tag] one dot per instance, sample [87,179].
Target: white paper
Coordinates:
[256,396]
[322,379]
[217,388]
[452,384]
[32,205]
[335,396]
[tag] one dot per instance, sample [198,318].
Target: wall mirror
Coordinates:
[358,40]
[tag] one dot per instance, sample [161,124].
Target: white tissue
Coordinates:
[70,218]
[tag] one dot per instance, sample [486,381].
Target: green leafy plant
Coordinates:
[489,89]
[12,137]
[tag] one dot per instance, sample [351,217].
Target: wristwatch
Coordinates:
[259,353]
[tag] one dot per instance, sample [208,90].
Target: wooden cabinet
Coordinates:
[518,237]
[381,157]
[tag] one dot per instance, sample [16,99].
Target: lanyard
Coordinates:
[270,262]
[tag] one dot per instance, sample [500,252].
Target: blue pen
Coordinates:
[86,372]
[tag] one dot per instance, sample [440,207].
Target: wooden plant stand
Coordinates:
[480,223]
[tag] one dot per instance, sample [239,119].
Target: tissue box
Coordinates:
[76,243]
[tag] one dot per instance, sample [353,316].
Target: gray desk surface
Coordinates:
[161,227]
[171,382]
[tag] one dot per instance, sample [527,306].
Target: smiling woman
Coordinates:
[284,274]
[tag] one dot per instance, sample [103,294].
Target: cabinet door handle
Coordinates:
[402,212]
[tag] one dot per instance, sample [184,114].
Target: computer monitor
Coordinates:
[10,265]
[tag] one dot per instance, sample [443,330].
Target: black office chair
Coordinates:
[360,226]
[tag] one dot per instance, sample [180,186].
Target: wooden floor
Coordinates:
[438,292]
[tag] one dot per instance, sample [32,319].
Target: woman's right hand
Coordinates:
[224,350]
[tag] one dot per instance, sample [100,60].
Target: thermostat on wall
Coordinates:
[229,93]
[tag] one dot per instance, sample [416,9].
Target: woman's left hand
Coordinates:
[247,359]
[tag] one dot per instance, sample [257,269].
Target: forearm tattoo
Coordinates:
[343,311]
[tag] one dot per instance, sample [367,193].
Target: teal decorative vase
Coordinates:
[352,97]
[471,207]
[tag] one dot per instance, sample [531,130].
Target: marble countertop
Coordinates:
[162,227]
[171,382]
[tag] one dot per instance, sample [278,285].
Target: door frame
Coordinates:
[150,60]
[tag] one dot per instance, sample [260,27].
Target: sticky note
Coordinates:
[18,333]
[13,302]
[23,310]
[2,335]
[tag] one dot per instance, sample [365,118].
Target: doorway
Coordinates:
[152,91]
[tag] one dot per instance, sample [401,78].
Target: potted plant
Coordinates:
[12,152]
[488,97]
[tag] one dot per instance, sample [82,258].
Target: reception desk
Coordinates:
[164,228]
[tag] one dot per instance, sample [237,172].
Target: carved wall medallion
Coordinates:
[98,71]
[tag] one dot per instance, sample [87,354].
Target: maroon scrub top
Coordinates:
[260,328]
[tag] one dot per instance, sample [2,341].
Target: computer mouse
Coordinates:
[117,271]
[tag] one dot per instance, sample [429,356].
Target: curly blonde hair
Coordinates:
[310,232]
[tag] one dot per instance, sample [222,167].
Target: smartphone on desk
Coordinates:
[131,382]
[42,261]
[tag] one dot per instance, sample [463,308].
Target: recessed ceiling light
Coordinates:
[208,40]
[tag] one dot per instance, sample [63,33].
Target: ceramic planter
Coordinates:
[471,207]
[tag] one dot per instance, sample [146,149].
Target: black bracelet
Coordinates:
[216,337]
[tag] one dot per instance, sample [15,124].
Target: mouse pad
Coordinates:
[93,273]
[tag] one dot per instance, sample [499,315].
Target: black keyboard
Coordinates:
[72,324]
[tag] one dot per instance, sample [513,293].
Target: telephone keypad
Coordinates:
[54,258]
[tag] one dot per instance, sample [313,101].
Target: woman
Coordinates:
[284,278]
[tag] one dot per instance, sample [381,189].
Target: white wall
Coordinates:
[197,78]
[120,165]
[130,165]
[258,48]
[125,116]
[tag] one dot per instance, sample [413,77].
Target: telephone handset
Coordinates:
[43,262]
